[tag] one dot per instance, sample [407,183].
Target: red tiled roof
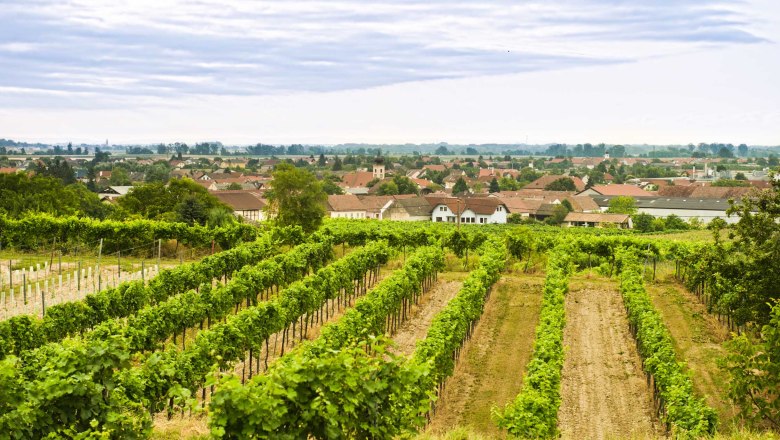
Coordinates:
[357,179]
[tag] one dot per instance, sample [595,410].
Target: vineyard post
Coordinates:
[100,253]
[78,278]
[51,258]
[24,287]
[119,265]
[159,253]
[43,303]
[60,263]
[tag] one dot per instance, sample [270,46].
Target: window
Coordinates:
[482,220]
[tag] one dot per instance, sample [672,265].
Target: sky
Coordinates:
[404,71]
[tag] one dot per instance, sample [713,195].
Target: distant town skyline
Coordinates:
[241,72]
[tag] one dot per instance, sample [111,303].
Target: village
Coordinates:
[567,191]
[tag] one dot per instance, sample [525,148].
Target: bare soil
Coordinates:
[489,372]
[603,389]
[416,327]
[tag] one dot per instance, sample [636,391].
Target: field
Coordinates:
[487,343]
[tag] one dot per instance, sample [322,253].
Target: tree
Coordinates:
[643,222]
[119,177]
[192,211]
[494,188]
[622,205]
[442,151]
[508,184]
[740,176]
[321,162]
[331,188]
[561,184]
[234,186]
[296,197]
[675,223]
[559,214]
[337,164]
[742,150]
[460,186]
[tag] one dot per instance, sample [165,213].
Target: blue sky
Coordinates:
[397,71]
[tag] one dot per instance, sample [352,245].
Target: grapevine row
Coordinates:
[688,416]
[534,412]
[26,231]
[286,402]
[21,333]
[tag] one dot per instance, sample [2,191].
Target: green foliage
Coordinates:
[754,368]
[398,185]
[460,186]
[622,205]
[180,200]
[21,333]
[494,187]
[689,417]
[296,198]
[534,412]
[561,184]
[290,405]
[737,182]
[21,195]
[643,222]
[360,391]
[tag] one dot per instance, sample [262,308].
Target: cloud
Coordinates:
[91,53]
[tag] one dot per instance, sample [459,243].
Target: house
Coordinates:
[542,182]
[703,209]
[704,192]
[615,190]
[113,192]
[592,220]
[246,204]
[377,206]
[346,206]
[523,207]
[409,209]
[469,210]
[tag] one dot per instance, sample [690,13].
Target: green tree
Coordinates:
[460,186]
[234,186]
[296,197]
[622,205]
[321,161]
[331,188]
[559,214]
[119,177]
[740,176]
[388,189]
[191,211]
[561,184]
[337,165]
[643,222]
[494,188]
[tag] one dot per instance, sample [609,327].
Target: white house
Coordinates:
[469,210]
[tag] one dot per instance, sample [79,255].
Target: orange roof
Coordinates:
[595,218]
[357,179]
[704,192]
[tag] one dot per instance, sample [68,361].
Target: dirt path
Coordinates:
[422,315]
[697,339]
[603,389]
[491,365]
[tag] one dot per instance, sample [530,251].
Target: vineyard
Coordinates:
[385,330]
